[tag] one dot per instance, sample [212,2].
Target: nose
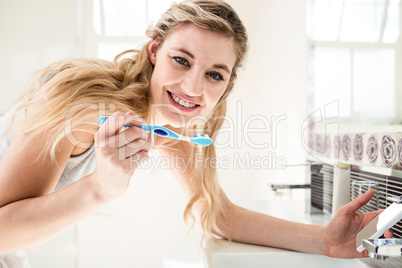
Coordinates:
[192,84]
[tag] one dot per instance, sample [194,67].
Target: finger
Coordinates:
[111,126]
[132,120]
[105,130]
[114,125]
[117,121]
[373,214]
[136,141]
[389,233]
[128,137]
[133,148]
[360,201]
[367,217]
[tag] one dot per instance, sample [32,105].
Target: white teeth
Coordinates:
[182,102]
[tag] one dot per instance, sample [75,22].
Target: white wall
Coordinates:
[137,229]
[273,83]
[33,34]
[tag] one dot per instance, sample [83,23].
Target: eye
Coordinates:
[181,61]
[215,75]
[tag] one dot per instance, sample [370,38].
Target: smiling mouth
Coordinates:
[182,102]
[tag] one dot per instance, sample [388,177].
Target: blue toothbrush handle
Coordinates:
[158,130]
[200,139]
[102,120]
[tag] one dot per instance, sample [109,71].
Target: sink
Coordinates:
[240,255]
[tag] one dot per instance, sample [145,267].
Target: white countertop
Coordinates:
[298,210]
[238,255]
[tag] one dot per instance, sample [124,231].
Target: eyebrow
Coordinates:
[222,66]
[218,66]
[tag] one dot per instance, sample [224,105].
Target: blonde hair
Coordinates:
[100,87]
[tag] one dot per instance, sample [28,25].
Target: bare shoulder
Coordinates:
[27,171]
[82,136]
[24,175]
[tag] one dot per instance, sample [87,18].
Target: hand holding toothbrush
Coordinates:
[118,154]
[200,139]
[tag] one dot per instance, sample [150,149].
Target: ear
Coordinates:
[153,49]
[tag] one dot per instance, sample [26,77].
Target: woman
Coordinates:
[59,165]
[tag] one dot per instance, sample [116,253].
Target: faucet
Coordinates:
[367,238]
[275,187]
[381,249]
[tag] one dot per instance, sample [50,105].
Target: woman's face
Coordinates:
[192,70]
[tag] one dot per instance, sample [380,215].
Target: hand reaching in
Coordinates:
[340,234]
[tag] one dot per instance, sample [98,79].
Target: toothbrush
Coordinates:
[200,139]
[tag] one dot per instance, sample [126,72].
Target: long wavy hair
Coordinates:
[99,87]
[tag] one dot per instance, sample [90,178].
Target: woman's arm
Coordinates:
[252,227]
[337,239]
[30,213]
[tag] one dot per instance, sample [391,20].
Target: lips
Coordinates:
[181,104]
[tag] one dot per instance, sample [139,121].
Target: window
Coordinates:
[355,54]
[119,25]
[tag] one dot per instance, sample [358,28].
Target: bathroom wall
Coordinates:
[33,34]
[271,94]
